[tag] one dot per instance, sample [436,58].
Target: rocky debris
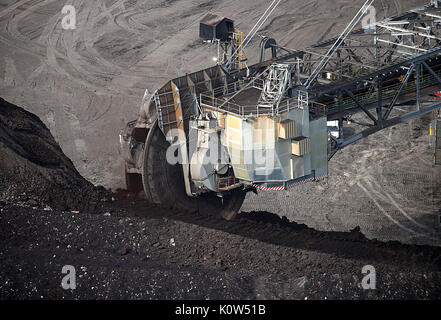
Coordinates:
[129,257]
[34,171]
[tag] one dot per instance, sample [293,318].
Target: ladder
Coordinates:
[238,50]
[303,100]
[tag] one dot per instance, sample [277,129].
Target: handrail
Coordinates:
[248,111]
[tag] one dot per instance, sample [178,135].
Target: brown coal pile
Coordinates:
[34,171]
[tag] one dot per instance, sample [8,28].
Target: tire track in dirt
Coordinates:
[378,194]
[88,64]
[91,74]
[88,68]
[16,40]
[368,192]
[126,21]
[11,77]
[383,193]
[385,196]
[12,7]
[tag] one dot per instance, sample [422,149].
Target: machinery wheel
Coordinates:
[164,183]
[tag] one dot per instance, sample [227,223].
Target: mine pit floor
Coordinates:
[125,248]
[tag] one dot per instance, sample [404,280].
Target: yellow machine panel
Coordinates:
[301,146]
[287,129]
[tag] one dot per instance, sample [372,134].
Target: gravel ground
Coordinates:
[152,253]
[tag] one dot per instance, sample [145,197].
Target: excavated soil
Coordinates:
[125,248]
[34,169]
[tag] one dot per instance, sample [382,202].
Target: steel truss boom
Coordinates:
[319,68]
[415,85]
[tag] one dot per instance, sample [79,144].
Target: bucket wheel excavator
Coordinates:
[204,140]
[163,182]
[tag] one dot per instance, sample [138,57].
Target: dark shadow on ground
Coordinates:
[270,228]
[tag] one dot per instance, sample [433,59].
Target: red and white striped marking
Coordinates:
[300,183]
[321,177]
[270,188]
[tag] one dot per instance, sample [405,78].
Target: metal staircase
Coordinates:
[238,49]
[303,100]
[275,86]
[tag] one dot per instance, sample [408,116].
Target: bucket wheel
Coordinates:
[164,183]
